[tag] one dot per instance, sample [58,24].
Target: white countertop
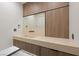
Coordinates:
[60,44]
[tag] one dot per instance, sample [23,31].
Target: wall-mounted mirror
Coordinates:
[34,25]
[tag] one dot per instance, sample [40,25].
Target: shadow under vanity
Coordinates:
[44,19]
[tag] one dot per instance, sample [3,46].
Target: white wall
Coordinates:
[10,17]
[74,20]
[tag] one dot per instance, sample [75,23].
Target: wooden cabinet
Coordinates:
[27,46]
[57,23]
[48,52]
[51,52]
[39,50]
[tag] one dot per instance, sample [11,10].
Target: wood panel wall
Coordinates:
[57,16]
[57,23]
[37,7]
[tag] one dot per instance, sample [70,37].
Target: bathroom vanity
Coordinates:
[46,46]
[46,30]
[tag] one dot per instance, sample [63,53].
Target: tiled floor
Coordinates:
[22,53]
[8,51]
[12,49]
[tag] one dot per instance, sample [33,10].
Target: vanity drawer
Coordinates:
[51,52]
[27,46]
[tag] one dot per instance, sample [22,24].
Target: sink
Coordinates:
[31,36]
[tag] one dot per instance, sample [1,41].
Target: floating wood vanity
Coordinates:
[46,46]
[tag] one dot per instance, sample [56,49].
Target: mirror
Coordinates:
[34,25]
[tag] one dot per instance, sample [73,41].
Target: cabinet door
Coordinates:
[48,52]
[51,52]
[27,46]
[57,23]
[19,44]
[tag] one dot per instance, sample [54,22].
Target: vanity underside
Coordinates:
[39,50]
